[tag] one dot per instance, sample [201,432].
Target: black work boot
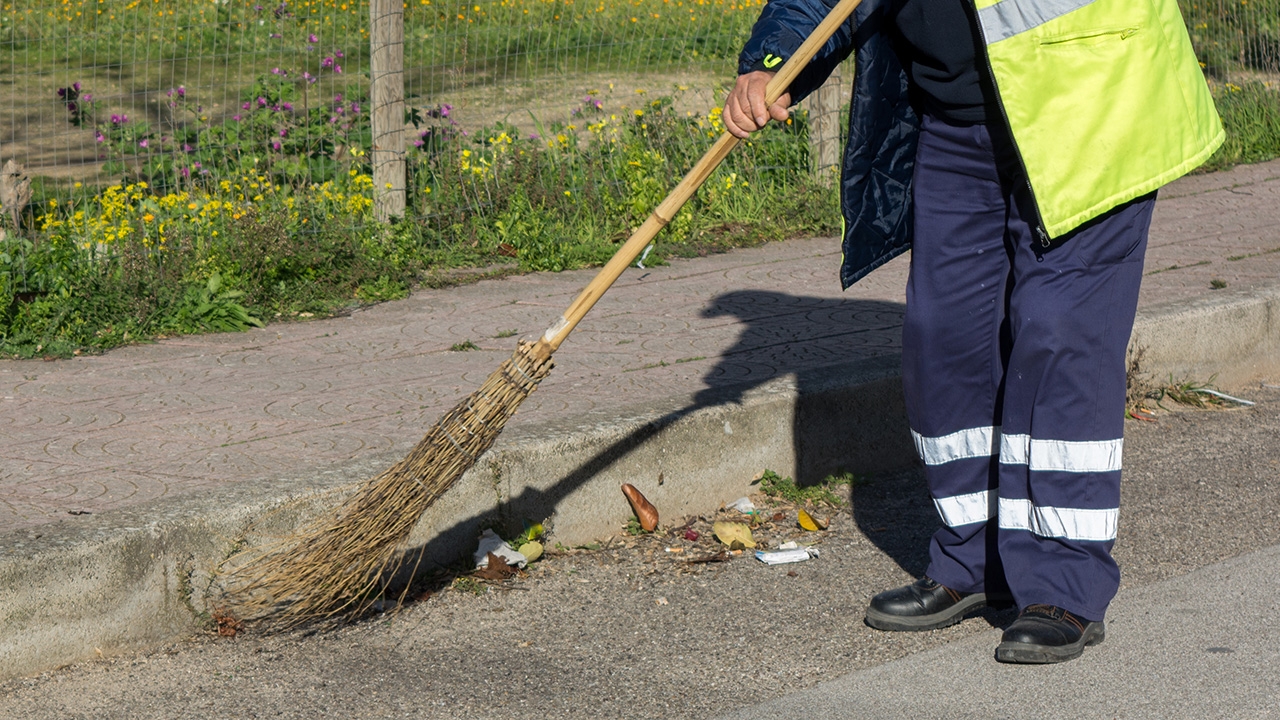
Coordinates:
[922,605]
[1048,634]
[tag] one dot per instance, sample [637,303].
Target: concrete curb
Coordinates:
[138,577]
[1235,336]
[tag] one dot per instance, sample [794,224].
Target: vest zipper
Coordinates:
[1037,224]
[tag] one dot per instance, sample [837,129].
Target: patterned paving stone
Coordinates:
[189,414]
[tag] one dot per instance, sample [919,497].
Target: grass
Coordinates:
[1246,256]
[1189,392]
[776,486]
[1251,114]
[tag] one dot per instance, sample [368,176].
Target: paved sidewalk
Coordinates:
[1164,657]
[98,433]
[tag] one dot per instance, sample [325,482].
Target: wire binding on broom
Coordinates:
[339,563]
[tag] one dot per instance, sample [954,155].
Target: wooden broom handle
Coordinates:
[689,185]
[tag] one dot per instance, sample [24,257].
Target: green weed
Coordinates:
[468,584]
[1188,392]
[776,486]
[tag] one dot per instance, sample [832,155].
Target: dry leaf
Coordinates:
[531,550]
[226,623]
[809,522]
[497,569]
[730,533]
[645,512]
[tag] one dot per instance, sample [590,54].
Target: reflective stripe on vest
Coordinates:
[1007,18]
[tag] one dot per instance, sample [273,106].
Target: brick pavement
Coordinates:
[188,414]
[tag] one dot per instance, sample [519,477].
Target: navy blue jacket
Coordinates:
[875,182]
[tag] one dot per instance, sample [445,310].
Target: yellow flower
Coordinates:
[148,217]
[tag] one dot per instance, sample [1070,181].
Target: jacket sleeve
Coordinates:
[777,34]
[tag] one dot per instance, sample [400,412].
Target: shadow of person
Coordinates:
[842,355]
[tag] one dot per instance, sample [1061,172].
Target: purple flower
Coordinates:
[535,136]
[287,107]
[75,86]
[182,91]
[262,102]
[246,106]
[235,118]
[275,145]
[187,148]
[87,97]
[336,53]
[278,71]
[337,69]
[327,62]
[355,108]
[119,119]
[284,132]
[445,109]
[71,107]
[337,99]
[309,78]
[142,143]
[99,136]
[312,38]
[184,172]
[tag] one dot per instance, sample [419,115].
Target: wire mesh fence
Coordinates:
[536,132]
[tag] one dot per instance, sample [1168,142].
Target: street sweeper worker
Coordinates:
[1015,146]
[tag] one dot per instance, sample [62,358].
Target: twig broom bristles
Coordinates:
[335,564]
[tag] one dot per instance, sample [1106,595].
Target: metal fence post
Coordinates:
[386,75]
[824,128]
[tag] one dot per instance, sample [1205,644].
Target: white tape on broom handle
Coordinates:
[558,327]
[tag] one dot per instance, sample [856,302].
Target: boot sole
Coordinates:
[920,623]
[1027,654]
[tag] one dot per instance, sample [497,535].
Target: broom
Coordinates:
[335,564]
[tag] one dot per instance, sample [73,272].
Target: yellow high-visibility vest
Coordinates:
[1105,100]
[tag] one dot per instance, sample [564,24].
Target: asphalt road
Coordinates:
[629,631]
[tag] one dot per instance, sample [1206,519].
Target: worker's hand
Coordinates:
[744,109]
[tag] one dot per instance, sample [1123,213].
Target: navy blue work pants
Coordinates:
[1014,375]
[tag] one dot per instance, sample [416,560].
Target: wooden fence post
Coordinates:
[824,128]
[386,75]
